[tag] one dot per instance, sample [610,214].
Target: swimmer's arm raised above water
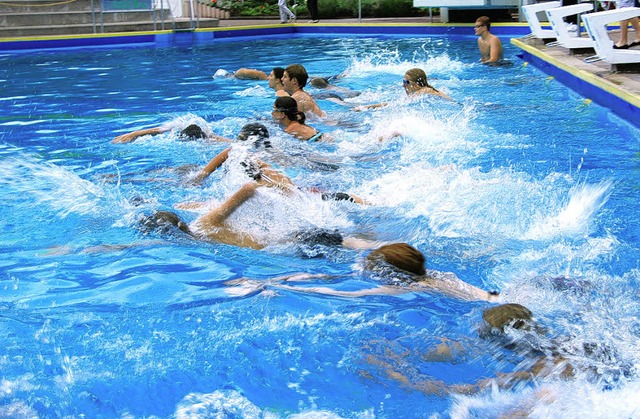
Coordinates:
[131,136]
[213,165]
[218,215]
[250,74]
[372,106]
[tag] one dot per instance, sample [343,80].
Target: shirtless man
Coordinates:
[294,79]
[489,45]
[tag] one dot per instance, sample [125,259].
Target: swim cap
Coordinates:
[221,72]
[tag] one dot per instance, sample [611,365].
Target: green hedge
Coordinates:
[329,9]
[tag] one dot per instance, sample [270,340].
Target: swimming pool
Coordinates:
[519,184]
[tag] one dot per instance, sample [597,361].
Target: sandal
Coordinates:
[620,46]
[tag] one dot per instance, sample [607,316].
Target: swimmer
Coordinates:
[331,92]
[294,80]
[213,225]
[415,84]
[286,113]
[242,74]
[489,45]
[403,268]
[190,133]
[257,135]
[275,81]
[513,327]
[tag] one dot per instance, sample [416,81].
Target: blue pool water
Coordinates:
[519,183]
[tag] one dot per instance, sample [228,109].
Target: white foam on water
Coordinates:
[574,217]
[55,187]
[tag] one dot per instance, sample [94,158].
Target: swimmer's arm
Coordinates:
[453,287]
[358,243]
[213,165]
[219,214]
[219,138]
[129,137]
[317,111]
[189,205]
[250,74]
[496,47]
[273,178]
[380,290]
[445,96]
[372,106]
[301,277]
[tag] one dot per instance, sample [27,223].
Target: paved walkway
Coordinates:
[225,23]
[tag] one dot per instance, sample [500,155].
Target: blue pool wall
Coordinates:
[616,99]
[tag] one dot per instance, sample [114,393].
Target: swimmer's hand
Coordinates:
[191,205]
[367,107]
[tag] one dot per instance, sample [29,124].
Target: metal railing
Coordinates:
[126,6]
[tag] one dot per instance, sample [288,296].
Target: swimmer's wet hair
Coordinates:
[289,106]
[192,132]
[298,72]
[253,129]
[513,315]
[401,256]
[164,222]
[319,82]
[419,77]
[278,72]
[319,236]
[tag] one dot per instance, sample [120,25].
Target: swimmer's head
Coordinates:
[221,72]
[289,107]
[192,132]
[319,82]
[275,78]
[417,76]
[508,315]
[298,73]
[484,21]
[278,72]
[314,242]
[257,133]
[399,255]
[163,222]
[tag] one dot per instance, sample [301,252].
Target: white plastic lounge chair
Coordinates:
[559,26]
[531,14]
[596,25]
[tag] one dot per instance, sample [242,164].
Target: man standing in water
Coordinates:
[294,80]
[489,45]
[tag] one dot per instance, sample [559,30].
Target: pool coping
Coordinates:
[619,92]
[593,82]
